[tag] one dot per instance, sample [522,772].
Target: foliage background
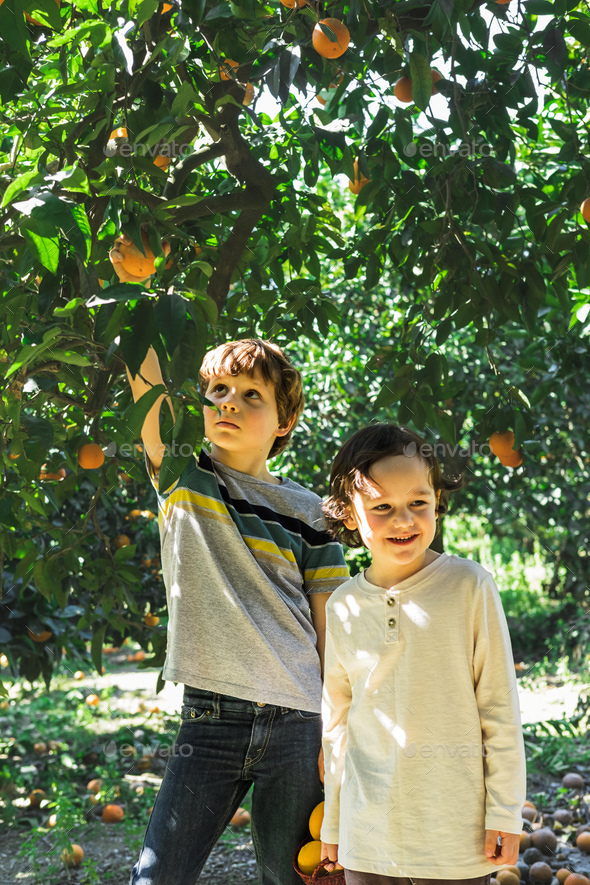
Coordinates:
[451,294]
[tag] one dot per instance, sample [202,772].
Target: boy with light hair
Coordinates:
[248,567]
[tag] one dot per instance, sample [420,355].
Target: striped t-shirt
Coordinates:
[240,557]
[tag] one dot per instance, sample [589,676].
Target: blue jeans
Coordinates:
[225,745]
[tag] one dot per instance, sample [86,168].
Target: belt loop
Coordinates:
[216,705]
[285,710]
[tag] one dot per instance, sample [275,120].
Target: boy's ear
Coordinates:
[350,521]
[285,428]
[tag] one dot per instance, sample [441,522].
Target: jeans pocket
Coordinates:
[194,712]
[307,716]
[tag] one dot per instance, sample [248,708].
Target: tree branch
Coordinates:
[188,165]
[231,253]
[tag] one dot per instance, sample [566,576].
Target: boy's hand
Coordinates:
[507,852]
[331,851]
[117,257]
[321,768]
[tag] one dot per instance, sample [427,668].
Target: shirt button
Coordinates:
[390,600]
[392,622]
[260,704]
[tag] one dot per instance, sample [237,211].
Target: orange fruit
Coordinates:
[290,4]
[162,162]
[315,821]
[112,814]
[40,637]
[166,7]
[512,869]
[228,69]
[248,94]
[121,132]
[502,2]
[34,21]
[121,541]
[527,804]
[91,456]
[40,748]
[93,700]
[514,459]
[562,874]
[323,45]
[137,264]
[240,818]
[151,620]
[585,209]
[95,785]
[79,674]
[502,443]
[507,877]
[58,476]
[525,841]
[74,857]
[51,821]
[435,78]
[356,186]
[583,842]
[528,813]
[36,797]
[403,90]
[310,856]
[576,879]
[139,655]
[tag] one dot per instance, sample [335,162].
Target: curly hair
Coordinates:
[248,356]
[351,472]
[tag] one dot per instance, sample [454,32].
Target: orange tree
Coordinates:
[198,123]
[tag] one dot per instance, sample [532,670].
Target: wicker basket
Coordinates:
[335,878]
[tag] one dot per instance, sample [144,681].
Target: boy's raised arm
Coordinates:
[149,375]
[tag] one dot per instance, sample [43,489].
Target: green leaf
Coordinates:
[19,184]
[47,579]
[138,411]
[139,333]
[185,98]
[421,80]
[45,249]
[170,313]
[141,10]
[69,356]
[188,434]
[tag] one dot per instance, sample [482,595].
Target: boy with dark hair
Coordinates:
[420,701]
[248,567]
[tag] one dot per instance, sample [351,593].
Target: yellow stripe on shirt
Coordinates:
[331,571]
[258,544]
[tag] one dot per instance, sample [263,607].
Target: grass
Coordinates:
[55,742]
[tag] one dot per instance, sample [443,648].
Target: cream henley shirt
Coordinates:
[422,736]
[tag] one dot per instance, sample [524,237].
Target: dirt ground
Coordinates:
[108,847]
[112,850]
